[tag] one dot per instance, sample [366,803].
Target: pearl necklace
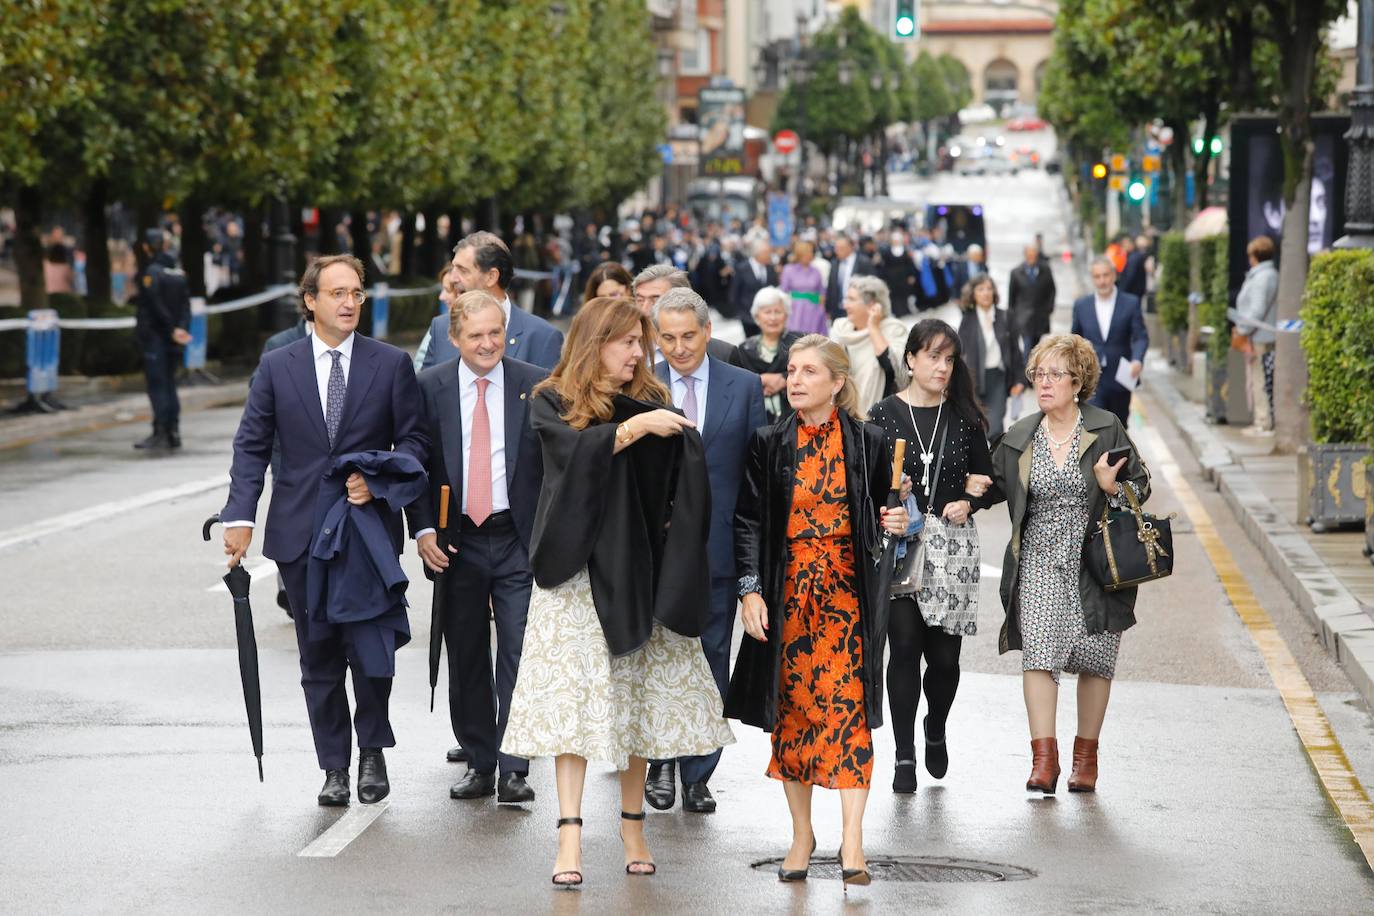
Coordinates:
[1057,443]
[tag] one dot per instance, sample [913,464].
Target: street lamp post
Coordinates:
[1359,177]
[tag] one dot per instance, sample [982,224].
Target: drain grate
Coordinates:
[912,869]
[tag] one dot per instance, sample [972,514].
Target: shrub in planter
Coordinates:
[70,305]
[1212,256]
[1173,284]
[1338,341]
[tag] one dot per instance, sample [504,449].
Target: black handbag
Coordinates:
[1129,547]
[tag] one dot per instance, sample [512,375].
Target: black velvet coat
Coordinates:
[610,513]
[765,502]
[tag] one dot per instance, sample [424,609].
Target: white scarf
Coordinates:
[863,363]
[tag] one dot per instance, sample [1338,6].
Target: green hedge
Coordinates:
[1215,287]
[1173,285]
[108,352]
[1338,339]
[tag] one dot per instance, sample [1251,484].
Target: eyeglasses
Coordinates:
[337,296]
[1047,375]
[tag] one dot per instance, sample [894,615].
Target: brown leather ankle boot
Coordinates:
[1084,775]
[1044,775]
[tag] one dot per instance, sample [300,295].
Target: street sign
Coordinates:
[1118,162]
[665,152]
[1150,164]
[780,219]
[1117,182]
[786,142]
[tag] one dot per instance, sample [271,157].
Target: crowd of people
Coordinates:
[613,500]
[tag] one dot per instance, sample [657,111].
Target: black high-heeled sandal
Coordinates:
[575,874]
[653,869]
[859,877]
[800,874]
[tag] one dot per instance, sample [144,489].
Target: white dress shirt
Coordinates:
[323,364]
[992,351]
[1105,309]
[496,414]
[702,374]
[846,270]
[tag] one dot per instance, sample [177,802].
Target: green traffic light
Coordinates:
[1136,191]
[1217,146]
[905,26]
[1197,146]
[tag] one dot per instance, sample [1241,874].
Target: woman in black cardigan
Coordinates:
[990,351]
[806,532]
[939,417]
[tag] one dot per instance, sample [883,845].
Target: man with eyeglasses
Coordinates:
[329,394]
[1112,322]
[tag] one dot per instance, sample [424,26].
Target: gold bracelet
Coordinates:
[624,431]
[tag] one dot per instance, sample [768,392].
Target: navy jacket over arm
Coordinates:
[381,413]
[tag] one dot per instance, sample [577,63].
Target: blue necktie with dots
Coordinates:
[334,397]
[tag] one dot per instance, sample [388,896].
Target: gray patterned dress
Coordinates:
[1053,634]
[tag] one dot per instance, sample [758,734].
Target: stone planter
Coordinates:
[1225,390]
[1369,508]
[1333,485]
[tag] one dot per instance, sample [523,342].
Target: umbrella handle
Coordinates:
[209,523]
[443,506]
[898,458]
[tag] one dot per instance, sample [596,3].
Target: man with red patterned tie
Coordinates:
[475,410]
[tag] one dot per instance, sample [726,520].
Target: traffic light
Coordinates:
[904,22]
[1136,190]
[1099,170]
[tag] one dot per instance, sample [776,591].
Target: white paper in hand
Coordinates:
[1124,378]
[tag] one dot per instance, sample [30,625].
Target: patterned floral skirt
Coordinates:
[572,697]
[821,737]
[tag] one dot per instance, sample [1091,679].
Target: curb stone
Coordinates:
[1344,625]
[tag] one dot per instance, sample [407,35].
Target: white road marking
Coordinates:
[260,573]
[59,523]
[344,831]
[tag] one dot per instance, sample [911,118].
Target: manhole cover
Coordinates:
[907,868]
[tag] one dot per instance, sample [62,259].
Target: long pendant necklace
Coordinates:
[1058,443]
[927,451]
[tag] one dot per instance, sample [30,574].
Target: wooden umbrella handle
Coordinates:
[443,507]
[898,458]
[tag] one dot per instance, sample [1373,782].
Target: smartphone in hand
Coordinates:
[1117,454]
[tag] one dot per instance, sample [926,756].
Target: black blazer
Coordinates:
[765,502]
[834,296]
[971,342]
[745,285]
[442,408]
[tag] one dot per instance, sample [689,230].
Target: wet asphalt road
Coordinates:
[129,785]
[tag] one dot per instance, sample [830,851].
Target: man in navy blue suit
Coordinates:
[1112,322]
[477,417]
[726,404]
[325,395]
[482,261]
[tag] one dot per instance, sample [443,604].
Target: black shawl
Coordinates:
[612,513]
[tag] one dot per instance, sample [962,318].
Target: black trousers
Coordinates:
[911,640]
[488,578]
[160,369]
[994,400]
[324,663]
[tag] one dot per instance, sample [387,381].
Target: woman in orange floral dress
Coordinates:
[807,527]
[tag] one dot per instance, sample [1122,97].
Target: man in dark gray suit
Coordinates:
[482,261]
[476,413]
[726,404]
[1030,299]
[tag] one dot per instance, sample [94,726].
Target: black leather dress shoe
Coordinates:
[697,798]
[512,789]
[335,793]
[372,782]
[457,754]
[660,789]
[474,785]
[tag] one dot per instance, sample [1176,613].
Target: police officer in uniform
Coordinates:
[164,311]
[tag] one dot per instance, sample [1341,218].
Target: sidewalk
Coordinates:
[1326,575]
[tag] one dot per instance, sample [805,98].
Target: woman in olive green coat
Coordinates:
[1052,468]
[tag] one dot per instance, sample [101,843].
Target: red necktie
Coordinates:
[479,459]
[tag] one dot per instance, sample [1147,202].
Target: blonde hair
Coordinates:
[1077,356]
[835,358]
[580,378]
[469,304]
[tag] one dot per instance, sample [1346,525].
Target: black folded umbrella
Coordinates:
[887,556]
[438,612]
[238,581]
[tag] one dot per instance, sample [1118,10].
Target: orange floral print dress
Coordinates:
[821,737]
